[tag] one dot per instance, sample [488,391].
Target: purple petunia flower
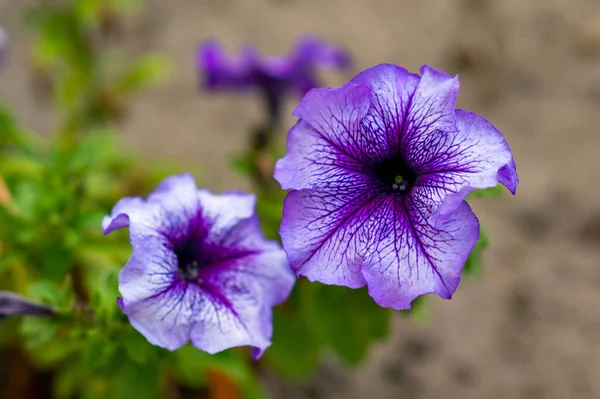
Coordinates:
[12,304]
[273,76]
[201,269]
[380,169]
[2,44]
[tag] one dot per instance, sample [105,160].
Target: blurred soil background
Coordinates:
[531,327]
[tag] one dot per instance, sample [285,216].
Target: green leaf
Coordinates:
[67,380]
[138,348]
[474,265]
[125,6]
[492,192]
[103,285]
[59,296]
[11,133]
[98,353]
[192,365]
[132,380]
[38,331]
[144,73]
[296,344]
[88,11]
[243,164]
[349,320]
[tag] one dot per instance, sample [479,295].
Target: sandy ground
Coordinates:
[531,328]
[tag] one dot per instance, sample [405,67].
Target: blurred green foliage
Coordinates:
[89,80]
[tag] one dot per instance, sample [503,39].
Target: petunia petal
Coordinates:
[329,126]
[312,51]
[151,269]
[240,312]
[169,209]
[167,317]
[12,304]
[221,213]
[122,212]
[312,162]
[414,258]
[236,239]
[452,165]
[393,88]
[222,70]
[327,233]
[2,44]
[431,108]
[173,205]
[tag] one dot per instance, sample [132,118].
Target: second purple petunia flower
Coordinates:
[2,44]
[272,76]
[201,269]
[379,171]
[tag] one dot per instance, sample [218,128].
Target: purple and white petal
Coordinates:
[243,290]
[313,162]
[451,165]
[431,109]
[222,213]
[167,317]
[174,204]
[151,269]
[238,244]
[328,140]
[327,233]
[393,88]
[413,258]
[168,209]
[126,209]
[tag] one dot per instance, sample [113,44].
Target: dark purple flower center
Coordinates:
[188,264]
[395,175]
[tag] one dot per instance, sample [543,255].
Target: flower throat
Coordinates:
[188,262]
[395,175]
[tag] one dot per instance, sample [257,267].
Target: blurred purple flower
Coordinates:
[2,44]
[380,169]
[12,304]
[201,269]
[273,76]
